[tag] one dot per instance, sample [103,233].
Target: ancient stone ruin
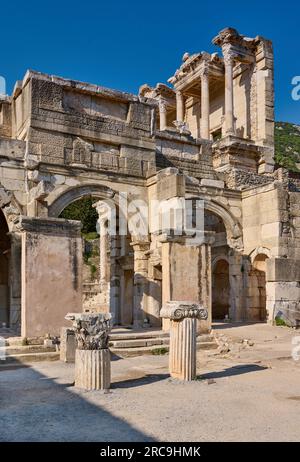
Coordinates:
[92,357]
[206,136]
[183,318]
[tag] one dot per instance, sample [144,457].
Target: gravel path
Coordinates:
[252,393]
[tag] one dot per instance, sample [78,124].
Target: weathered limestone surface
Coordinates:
[92,369]
[67,345]
[207,136]
[92,357]
[183,317]
[51,273]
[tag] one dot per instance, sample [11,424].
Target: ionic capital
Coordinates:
[178,310]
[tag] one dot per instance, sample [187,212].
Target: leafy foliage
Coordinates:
[83,211]
[287,145]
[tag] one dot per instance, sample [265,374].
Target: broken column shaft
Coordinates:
[92,357]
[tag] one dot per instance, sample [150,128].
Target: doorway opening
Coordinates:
[220,290]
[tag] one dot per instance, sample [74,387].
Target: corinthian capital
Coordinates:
[228,54]
[204,71]
[162,105]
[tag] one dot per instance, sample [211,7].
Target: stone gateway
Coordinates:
[207,135]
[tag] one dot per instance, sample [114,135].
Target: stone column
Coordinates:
[114,280]
[205,104]
[15,282]
[104,260]
[183,317]
[229,114]
[140,281]
[103,253]
[179,106]
[162,115]
[92,357]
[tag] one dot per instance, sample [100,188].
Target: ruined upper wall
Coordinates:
[77,124]
[244,73]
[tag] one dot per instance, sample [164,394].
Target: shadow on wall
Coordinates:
[49,411]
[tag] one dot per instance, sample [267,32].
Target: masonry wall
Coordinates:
[51,274]
[264,212]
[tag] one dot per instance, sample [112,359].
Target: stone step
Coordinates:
[20,341]
[138,336]
[156,349]
[144,340]
[13,350]
[29,358]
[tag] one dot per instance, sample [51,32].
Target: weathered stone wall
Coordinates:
[264,212]
[51,274]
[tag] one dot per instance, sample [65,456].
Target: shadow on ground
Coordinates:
[234,370]
[146,380]
[33,407]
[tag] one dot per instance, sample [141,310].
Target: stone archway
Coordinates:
[5,248]
[113,285]
[220,289]
[227,262]
[61,201]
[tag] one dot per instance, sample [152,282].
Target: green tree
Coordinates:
[83,211]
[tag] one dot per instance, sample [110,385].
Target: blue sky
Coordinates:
[125,44]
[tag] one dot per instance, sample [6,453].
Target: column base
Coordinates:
[92,369]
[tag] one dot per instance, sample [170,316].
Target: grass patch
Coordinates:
[159,351]
[280,322]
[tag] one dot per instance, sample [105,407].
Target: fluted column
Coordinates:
[179,106]
[103,253]
[205,104]
[162,115]
[229,114]
[140,281]
[183,331]
[92,369]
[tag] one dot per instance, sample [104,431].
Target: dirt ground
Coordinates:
[249,393]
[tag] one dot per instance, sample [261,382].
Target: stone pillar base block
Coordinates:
[67,345]
[92,369]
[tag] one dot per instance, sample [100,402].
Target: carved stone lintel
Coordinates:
[91,329]
[177,310]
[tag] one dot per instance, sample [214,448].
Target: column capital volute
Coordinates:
[179,310]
